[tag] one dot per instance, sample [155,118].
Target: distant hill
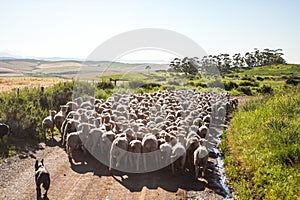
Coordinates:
[70,68]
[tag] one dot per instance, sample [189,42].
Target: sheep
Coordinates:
[202,131]
[73,142]
[192,144]
[118,151]
[70,126]
[149,144]
[178,155]
[42,177]
[106,141]
[165,153]
[48,123]
[93,143]
[76,140]
[60,117]
[200,159]
[4,130]
[135,147]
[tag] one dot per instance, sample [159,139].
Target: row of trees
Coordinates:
[225,62]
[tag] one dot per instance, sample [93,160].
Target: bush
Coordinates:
[173,83]
[246,78]
[246,90]
[105,85]
[292,81]
[135,84]
[216,83]
[265,90]
[230,85]
[248,83]
[150,86]
[259,78]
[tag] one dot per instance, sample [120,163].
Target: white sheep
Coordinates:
[200,159]
[149,145]
[178,156]
[60,117]
[48,123]
[135,147]
[118,151]
[165,153]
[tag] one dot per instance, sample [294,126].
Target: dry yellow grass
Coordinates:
[9,83]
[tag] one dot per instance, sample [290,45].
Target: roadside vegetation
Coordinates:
[262,147]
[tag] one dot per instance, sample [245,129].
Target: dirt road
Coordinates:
[91,180]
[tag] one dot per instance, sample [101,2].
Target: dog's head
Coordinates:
[39,164]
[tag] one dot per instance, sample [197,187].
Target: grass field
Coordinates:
[8,84]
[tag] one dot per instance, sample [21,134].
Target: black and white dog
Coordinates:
[42,176]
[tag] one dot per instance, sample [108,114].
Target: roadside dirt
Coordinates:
[91,180]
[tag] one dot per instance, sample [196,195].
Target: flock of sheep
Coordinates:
[144,132]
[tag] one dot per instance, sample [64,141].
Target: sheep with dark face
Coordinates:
[203,131]
[42,177]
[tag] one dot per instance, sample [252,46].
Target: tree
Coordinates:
[148,68]
[186,65]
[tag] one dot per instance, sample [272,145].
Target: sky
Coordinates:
[73,28]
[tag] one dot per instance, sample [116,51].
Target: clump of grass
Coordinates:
[262,148]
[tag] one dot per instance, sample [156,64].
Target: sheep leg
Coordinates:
[173,170]
[204,165]
[111,159]
[125,159]
[144,160]
[138,162]
[182,163]
[196,172]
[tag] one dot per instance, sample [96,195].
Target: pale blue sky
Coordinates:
[75,28]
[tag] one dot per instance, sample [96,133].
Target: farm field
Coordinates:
[9,83]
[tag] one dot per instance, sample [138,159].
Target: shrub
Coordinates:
[216,83]
[292,81]
[246,78]
[174,83]
[230,85]
[265,90]
[105,85]
[150,86]
[246,90]
[259,78]
[248,83]
[135,84]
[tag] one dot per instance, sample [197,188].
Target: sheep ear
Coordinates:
[42,161]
